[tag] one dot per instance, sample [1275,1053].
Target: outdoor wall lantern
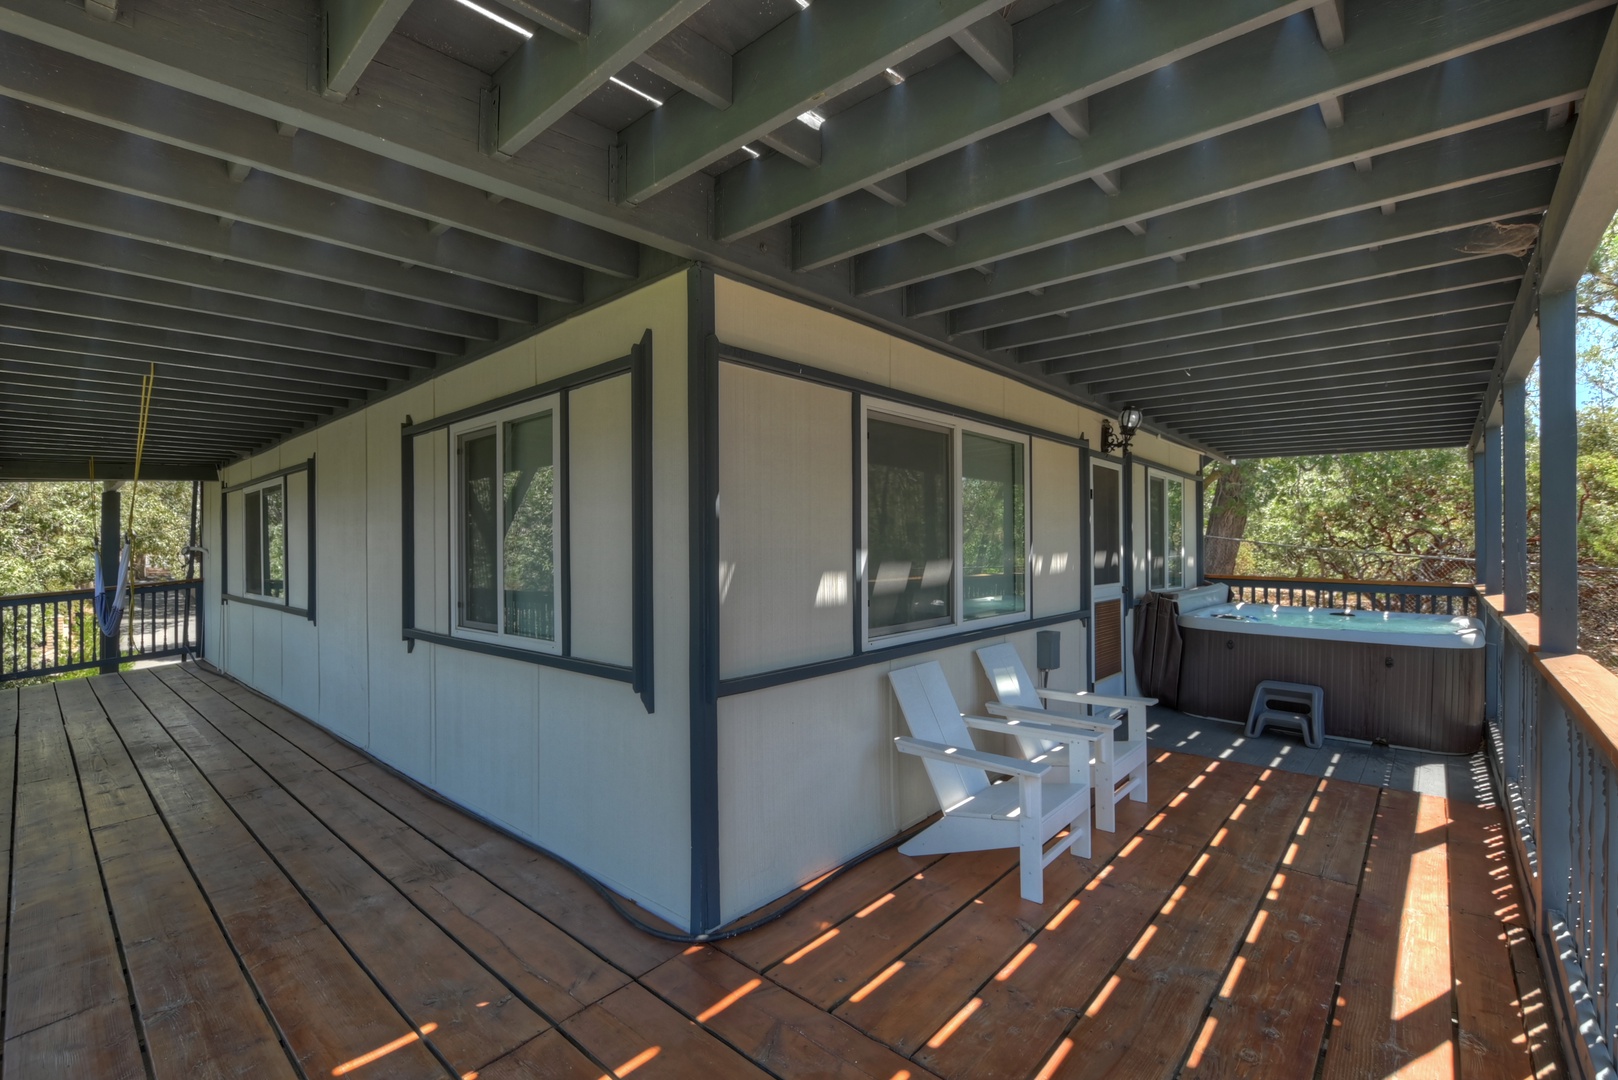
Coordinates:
[1128,423]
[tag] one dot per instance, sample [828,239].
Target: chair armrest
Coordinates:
[980,759]
[1085,698]
[1098,725]
[1036,729]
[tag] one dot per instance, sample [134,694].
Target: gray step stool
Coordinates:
[1287,704]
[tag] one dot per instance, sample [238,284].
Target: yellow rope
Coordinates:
[146,383]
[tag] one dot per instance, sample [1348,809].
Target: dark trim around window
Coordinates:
[637,365]
[228,597]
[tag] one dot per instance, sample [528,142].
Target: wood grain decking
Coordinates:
[201,884]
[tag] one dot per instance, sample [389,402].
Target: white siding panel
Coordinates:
[340,585]
[786,522]
[236,646]
[505,372]
[401,717]
[921,371]
[614,786]
[432,501]
[764,322]
[1058,552]
[300,664]
[266,638]
[601,505]
[486,735]
[298,539]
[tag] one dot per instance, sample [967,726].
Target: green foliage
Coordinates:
[48,532]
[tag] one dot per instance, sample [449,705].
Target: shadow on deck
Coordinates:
[202,880]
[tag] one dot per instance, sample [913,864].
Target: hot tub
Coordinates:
[1390,677]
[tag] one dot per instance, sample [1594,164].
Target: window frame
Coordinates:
[309,570]
[278,483]
[957,426]
[496,422]
[1152,583]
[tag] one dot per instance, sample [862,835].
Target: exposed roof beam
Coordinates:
[569,18]
[831,46]
[1462,362]
[1074,118]
[64,243]
[47,469]
[125,407]
[76,86]
[1395,414]
[1116,381]
[988,43]
[1443,419]
[890,189]
[346,376]
[43,322]
[164,452]
[32,411]
[268,314]
[1414,442]
[1229,294]
[694,64]
[1387,321]
[1390,398]
[548,75]
[1486,282]
[59,302]
[1455,214]
[51,198]
[1209,95]
[355,30]
[88,153]
[197,381]
[1507,81]
[1474,325]
[797,141]
[1581,209]
[1357,361]
[1373,387]
[1065,54]
[1329,23]
[127,393]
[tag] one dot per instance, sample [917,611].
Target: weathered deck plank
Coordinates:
[553,973]
[1203,939]
[68,1010]
[445,992]
[906,1002]
[199,1014]
[1395,1004]
[325,1007]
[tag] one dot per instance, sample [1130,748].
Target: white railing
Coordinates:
[1553,726]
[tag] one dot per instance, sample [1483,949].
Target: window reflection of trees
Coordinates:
[530,550]
[909,527]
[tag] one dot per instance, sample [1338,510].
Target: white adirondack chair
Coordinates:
[1118,767]
[978,815]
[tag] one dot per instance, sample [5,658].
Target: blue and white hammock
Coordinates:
[109,604]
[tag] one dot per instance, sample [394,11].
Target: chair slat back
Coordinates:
[1011,685]
[931,714]
[1007,676]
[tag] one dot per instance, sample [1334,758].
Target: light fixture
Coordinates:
[750,150]
[893,76]
[634,90]
[1128,423]
[813,119]
[494,17]
[803,4]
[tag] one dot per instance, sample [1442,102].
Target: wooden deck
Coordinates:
[201,884]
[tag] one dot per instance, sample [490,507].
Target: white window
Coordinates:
[945,524]
[265,516]
[1165,531]
[505,524]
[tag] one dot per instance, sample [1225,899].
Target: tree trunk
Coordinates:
[1227,519]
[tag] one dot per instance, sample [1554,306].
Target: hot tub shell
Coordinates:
[1385,679]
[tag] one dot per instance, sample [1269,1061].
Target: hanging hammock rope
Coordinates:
[110,602]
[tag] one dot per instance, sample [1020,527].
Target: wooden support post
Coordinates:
[1492,578]
[111,545]
[1558,475]
[1515,474]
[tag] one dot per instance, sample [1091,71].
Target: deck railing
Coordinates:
[53,633]
[1418,596]
[1553,749]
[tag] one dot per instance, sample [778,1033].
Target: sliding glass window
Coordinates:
[265,541]
[945,524]
[1165,531]
[506,526]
